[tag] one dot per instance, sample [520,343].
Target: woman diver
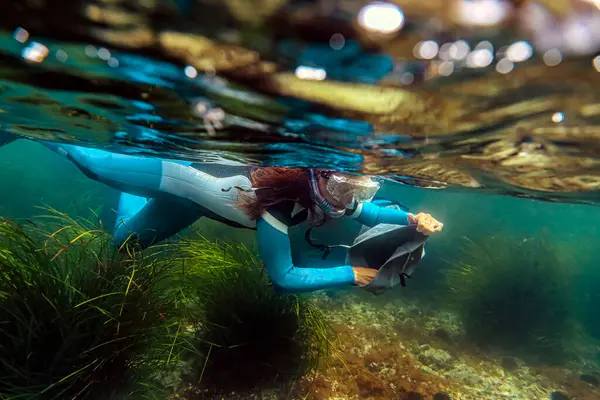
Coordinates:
[160,197]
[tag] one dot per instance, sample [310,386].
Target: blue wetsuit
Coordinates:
[161,197]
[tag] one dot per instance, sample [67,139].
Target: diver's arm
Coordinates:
[276,253]
[371,214]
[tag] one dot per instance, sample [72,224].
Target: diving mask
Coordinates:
[351,189]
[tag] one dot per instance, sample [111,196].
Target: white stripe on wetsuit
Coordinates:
[275,223]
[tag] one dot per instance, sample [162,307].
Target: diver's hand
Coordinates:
[426,224]
[363,276]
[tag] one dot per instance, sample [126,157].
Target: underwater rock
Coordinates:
[558,396]
[112,16]
[394,348]
[591,379]
[387,373]
[204,54]
[537,171]
[465,374]
[435,358]
[134,38]
[373,367]
[253,11]
[414,396]
[509,363]
[345,96]
[128,25]
[415,311]
[443,334]
[423,174]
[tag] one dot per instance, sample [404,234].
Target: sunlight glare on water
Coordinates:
[381,90]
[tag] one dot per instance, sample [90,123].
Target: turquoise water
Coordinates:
[34,177]
[504,304]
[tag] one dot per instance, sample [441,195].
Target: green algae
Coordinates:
[247,335]
[80,320]
[83,319]
[515,295]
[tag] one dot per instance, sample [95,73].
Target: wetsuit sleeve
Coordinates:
[371,214]
[275,248]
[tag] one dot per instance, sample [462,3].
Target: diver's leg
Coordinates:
[136,175]
[151,221]
[157,178]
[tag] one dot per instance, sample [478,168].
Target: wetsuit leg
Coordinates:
[184,193]
[149,221]
[136,175]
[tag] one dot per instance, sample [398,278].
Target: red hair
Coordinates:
[275,185]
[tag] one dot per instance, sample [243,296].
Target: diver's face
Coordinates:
[345,191]
[325,193]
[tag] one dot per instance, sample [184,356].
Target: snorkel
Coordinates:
[320,200]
